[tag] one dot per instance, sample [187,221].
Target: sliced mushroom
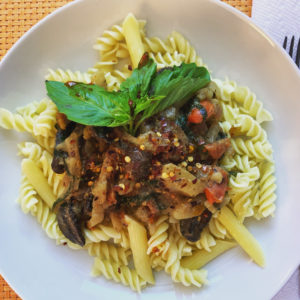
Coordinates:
[69,222]
[191,228]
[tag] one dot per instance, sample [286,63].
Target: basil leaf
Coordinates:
[137,85]
[142,95]
[90,104]
[145,103]
[177,85]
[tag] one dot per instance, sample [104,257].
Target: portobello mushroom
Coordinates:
[69,221]
[191,228]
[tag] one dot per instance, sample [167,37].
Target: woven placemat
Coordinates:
[16,17]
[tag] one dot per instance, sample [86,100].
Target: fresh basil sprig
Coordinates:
[145,93]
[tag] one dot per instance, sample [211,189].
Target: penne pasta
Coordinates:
[133,39]
[37,179]
[139,245]
[201,257]
[241,234]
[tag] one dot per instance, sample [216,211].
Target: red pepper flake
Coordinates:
[155,249]
[173,178]
[185,184]
[119,270]
[130,67]
[72,141]
[194,181]
[64,243]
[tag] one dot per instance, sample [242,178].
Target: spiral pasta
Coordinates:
[180,44]
[114,79]
[267,196]
[28,197]
[123,240]
[224,89]
[155,45]
[158,240]
[46,142]
[250,105]
[112,42]
[179,274]
[44,122]
[251,128]
[100,233]
[167,59]
[48,221]
[206,240]
[17,122]
[68,75]
[30,150]
[30,110]
[241,200]
[217,229]
[118,273]
[258,150]
[109,252]
[184,248]
[230,114]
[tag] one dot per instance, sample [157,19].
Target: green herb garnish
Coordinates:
[144,94]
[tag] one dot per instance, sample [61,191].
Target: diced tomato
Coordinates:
[195,116]
[218,148]
[209,107]
[215,192]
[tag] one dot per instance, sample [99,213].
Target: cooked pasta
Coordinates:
[247,126]
[258,150]
[43,159]
[68,75]
[267,187]
[159,238]
[101,233]
[107,251]
[250,105]
[128,253]
[168,59]
[28,197]
[156,45]
[118,273]
[17,122]
[179,274]
[45,121]
[217,229]
[180,44]
[206,240]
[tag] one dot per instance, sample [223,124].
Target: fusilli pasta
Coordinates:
[118,273]
[68,75]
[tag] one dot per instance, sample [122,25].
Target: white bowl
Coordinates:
[231,46]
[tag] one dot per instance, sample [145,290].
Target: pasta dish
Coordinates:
[146,158]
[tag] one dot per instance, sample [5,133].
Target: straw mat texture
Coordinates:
[17,17]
